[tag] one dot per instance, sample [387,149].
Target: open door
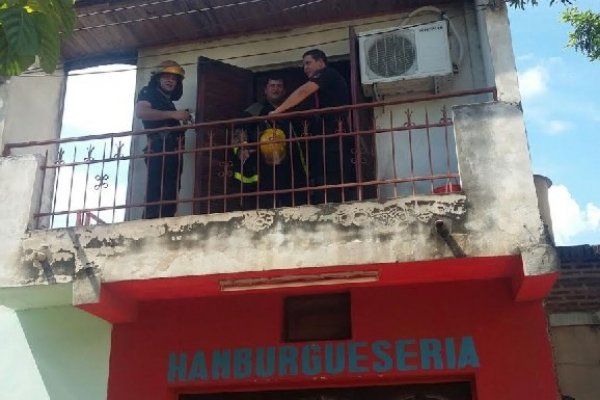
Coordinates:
[224,91]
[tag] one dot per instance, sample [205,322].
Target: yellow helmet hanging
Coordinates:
[273,153]
[170,67]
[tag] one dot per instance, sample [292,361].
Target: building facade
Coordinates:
[428,285]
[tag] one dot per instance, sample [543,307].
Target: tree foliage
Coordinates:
[585,36]
[523,3]
[30,29]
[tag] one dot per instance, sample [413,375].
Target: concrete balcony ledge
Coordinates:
[399,230]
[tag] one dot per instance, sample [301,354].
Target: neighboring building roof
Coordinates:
[122,26]
[578,287]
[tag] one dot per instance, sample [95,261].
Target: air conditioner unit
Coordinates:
[398,54]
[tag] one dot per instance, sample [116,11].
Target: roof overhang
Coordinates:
[109,31]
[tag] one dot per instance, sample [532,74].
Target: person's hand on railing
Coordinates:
[191,119]
[240,139]
[183,115]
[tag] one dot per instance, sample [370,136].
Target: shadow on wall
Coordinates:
[71,351]
[3,96]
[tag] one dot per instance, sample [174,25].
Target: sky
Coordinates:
[110,109]
[560,90]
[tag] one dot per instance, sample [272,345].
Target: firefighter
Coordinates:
[329,89]
[154,106]
[262,162]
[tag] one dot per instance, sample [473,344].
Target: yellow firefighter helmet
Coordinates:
[273,153]
[170,67]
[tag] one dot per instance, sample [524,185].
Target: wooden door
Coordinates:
[224,91]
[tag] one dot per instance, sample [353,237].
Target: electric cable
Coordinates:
[35,73]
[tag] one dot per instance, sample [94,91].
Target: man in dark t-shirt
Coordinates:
[329,158]
[154,106]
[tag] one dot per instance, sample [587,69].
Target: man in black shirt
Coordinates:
[155,108]
[267,167]
[329,158]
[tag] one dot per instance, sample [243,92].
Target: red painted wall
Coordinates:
[511,339]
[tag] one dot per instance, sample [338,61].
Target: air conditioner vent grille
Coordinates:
[391,55]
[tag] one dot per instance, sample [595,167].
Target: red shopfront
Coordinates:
[426,339]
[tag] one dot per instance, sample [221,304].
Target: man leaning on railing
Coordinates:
[155,108]
[330,165]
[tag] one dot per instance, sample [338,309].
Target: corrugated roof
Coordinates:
[111,28]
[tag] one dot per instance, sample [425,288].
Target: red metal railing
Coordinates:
[85,218]
[388,151]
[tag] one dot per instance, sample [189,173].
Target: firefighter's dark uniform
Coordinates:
[163,170]
[255,174]
[337,167]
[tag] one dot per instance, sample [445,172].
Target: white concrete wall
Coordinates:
[33,109]
[20,184]
[3,99]
[502,57]
[57,353]
[503,215]
[577,359]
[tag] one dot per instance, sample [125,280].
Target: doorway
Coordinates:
[435,391]
[223,92]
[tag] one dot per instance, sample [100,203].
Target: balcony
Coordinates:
[431,181]
[390,152]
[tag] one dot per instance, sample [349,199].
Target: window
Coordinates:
[317,317]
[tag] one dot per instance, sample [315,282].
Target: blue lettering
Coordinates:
[242,363]
[221,364]
[177,368]
[385,362]
[450,354]
[316,359]
[467,355]
[265,363]
[354,357]
[334,363]
[402,354]
[311,359]
[288,361]
[431,349]
[198,368]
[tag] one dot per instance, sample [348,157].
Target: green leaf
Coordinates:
[12,63]
[532,3]
[585,36]
[33,27]
[60,10]
[49,51]
[67,15]
[19,28]
[7,63]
